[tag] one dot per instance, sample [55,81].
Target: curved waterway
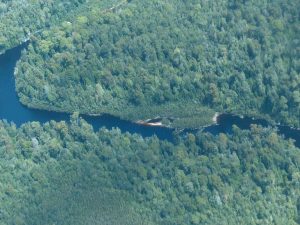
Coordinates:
[13,111]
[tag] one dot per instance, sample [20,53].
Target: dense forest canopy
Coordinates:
[178,60]
[64,173]
[20,19]
[140,56]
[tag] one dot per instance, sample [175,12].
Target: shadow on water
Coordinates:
[13,111]
[226,121]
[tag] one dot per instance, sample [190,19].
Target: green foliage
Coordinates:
[22,20]
[230,56]
[178,60]
[64,173]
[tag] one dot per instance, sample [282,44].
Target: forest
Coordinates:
[19,19]
[178,60]
[231,56]
[65,173]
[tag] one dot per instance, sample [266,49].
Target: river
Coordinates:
[13,111]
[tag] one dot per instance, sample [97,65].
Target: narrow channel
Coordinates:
[13,111]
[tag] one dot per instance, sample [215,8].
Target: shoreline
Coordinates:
[215,119]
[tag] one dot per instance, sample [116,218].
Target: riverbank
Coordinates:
[167,118]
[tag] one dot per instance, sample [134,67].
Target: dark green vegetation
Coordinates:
[21,20]
[61,173]
[180,60]
[229,55]
[49,175]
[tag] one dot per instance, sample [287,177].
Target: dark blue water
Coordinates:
[10,107]
[226,121]
[13,111]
